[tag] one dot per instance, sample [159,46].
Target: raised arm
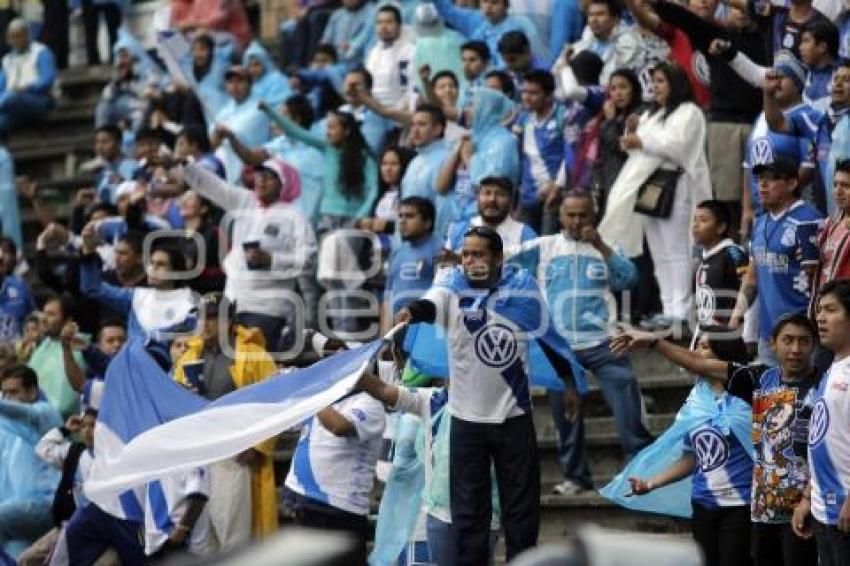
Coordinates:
[644,15]
[94,288]
[251,156]
[211,186]
[746,296]
[682,357]
[772,113]
[403,117]
[290,128]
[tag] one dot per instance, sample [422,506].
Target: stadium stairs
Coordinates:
[50,151]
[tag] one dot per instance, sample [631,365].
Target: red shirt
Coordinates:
[693,62]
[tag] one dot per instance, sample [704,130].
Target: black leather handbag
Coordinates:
[655,197]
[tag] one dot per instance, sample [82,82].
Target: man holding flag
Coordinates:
[489,312]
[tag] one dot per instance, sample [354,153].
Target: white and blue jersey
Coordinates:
[545,152]
[113,174]
[577,281]
[765,145]
[411,271]
[15,304]
[167,503]
[829,451]
[488,353]
[782,247]
[513,233]
[339,470]
[723,472]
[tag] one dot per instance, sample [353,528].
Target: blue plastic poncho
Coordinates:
[401,502]
[210,87]
[143,65]
[420,180]
[273,86]
[24,477]
[10,213]
[495,148]
[733,415]
[247,123]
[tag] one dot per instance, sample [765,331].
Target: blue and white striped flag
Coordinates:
[149,427]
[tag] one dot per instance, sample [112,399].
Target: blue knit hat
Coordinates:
[789,66]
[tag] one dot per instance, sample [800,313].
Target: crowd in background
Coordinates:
[681,168]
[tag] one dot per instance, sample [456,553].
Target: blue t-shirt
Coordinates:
[723,474]
[411,271]
[816,92]
[15,304]
[781,248]
[765,145]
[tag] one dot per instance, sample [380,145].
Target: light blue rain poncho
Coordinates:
[10,213]
[436,46]
[247,123]
[144,65]
[702,406]
[495,152]
[121,101]
[310,164]
[25,479]
[272,86]
[472,23]
[421,180]
[211,87]
[353,29]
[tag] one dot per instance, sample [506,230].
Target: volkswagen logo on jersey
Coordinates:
[761,152]
[496,345]
[711,449]
[819,423]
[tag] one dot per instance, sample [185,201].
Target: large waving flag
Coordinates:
[149,427]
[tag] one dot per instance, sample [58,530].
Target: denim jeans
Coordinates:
[22,107]
[441,542]
[622,393]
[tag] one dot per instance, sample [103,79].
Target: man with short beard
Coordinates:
[495,201]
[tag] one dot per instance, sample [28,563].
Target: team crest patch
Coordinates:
[496,346]
[711,448]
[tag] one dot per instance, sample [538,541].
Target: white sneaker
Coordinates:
[567,487]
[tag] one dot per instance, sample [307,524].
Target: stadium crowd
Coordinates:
[648,175]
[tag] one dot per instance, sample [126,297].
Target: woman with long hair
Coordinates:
[393,165]
[668,137]
[624,98]
[351,174]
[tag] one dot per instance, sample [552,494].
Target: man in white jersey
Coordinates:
[489,312]
[825,499]
[329,484]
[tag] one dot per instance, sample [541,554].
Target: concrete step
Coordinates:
[81,82]
[560,515]
[51,157]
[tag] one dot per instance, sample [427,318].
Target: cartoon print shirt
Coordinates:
[781,413]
